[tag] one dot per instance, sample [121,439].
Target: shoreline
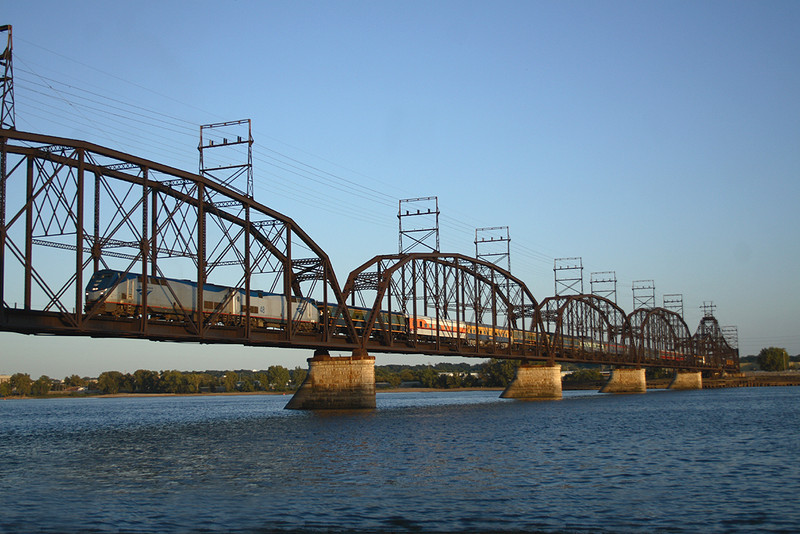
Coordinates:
[749,380]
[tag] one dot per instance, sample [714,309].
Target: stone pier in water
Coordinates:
[687,380]
[625,381]
[535,382]
[337,383]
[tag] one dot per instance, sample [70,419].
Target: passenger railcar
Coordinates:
[119,294]
[171,299]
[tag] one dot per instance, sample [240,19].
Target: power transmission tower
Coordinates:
[644,294]
[731,335]
[496,244]
[232,143]
[422,224]
[708,308]
[7,72]
[604,284]
[568,274]
[674,302]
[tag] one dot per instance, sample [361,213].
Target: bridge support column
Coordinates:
[687,380]
[535,382]
[625,381]
[341,383]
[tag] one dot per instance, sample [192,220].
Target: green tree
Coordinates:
[146,381]
[21,383]
[773,359]
[42,386]
[110,381]
[74,381]
[428,377]
[262,381]
[278,377]
[173,382]
[497,372]
[5,389]
[407,375]
[193,382]
[230,380]
[583,375]
[298,376]
[248,382]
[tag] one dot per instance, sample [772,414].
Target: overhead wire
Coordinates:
[125,113]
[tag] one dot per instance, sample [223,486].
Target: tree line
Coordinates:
[275,378]
[491,373]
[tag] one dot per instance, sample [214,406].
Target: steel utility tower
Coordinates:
[496,244]
[7,73]
[674,302]
[568,274]
[233,164]
[644,294]
[424,235]
[604,284]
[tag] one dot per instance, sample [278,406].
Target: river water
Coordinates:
[713,460]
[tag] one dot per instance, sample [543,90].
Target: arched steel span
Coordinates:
[587,328]
[662,339]
[454,304]
[711,346]
[70,208]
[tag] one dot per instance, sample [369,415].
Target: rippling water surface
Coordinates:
[713,460]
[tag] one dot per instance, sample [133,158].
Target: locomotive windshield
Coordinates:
[102,280]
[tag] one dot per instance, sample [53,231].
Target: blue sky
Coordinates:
[658,140]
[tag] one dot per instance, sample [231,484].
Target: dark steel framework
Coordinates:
[493,244]
[421,229]
[674,302]
[731,335]
[452,294]
[70,208]
[588,328]
[644,294]
[604,284]
[7,86]
[568,276]
[712,348]
[237,167]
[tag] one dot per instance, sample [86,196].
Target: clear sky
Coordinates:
[659,140]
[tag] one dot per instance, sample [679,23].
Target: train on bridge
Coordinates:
[119,294]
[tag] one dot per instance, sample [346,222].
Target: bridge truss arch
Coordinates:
[587,328]
[230,269]
[662,338]
[713,350]
[451,305]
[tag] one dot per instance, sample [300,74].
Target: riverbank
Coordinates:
[757,379]
[753,380]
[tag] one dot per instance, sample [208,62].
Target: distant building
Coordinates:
[5,378]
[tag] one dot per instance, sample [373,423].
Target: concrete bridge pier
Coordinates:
[687,380]
[625,381]
[535,382]
[337,383]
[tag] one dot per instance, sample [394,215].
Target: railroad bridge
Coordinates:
[96,242]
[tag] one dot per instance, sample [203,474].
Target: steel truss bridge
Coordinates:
[69,209]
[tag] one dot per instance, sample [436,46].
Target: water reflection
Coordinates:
[464,461]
